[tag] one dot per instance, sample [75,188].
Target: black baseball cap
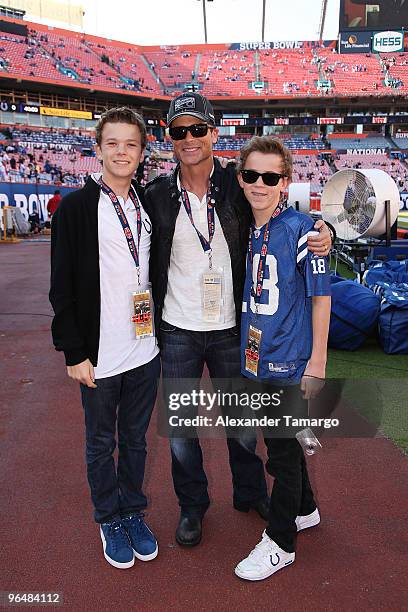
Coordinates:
[191,104]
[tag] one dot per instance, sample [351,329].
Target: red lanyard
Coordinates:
[206,244]
[256,293]
[133,248]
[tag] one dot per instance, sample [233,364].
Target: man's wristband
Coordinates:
[332,231]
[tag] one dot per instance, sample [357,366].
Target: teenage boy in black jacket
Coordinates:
[200,232]
[99,283]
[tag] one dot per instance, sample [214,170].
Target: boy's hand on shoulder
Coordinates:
[313,379]
[320,244]
[83,373]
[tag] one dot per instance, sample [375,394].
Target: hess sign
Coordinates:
[388,42]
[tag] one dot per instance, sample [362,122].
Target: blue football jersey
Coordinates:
[292,275]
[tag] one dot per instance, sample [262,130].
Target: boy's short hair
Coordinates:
[121,114]
[267,144]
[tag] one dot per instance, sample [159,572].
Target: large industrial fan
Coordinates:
[360,203]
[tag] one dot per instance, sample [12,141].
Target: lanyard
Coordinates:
[206,244]
[134,250]
[257,292]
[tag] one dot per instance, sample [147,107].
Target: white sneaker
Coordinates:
[266,559]
[308,520]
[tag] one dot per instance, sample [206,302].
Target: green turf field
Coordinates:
[390,379]
[403,220]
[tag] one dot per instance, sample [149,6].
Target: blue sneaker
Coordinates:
[116,546]
[141,538]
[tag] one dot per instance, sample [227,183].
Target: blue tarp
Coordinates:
[389,280]
[354,314]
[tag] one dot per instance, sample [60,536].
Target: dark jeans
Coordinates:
[183,355]
[126,400]
[292,494]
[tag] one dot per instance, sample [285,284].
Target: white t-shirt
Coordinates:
[119,350]
[183,301]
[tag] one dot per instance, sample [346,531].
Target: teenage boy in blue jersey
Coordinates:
[284,330]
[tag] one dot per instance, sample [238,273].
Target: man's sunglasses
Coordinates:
[197,130]
[271,179]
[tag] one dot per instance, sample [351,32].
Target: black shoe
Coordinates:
[188,532]
[261,506]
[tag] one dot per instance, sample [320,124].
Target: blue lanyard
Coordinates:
[206,244]
[257,292]
[134,250]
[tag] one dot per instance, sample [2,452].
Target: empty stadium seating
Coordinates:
[49,156]
[74,54]
[67,56]
[52,137]
[289,72]
[353,74]
[227,73]
[174,67]
[395,168]
[304,142]
[401,143]
[154,167]
[306,168]
[234,143]
[14,51]
[396,67]
[63,151]
[310,169]
[370,142]
[128,63]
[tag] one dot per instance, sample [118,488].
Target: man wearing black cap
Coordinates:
[197,266]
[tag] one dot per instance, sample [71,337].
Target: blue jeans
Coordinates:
[184,354]
[126,400]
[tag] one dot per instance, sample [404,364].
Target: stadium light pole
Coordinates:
[263,20]
[205,18]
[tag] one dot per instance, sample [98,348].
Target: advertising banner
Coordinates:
[388,42]
[65,112]
[355,42]
[367,151]
[280,44]
[29,197]
[232,122]
[330,120]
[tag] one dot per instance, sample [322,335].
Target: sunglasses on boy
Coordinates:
[271,179]
[197,130]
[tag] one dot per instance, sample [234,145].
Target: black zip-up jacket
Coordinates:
[162,203]
[75,292]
